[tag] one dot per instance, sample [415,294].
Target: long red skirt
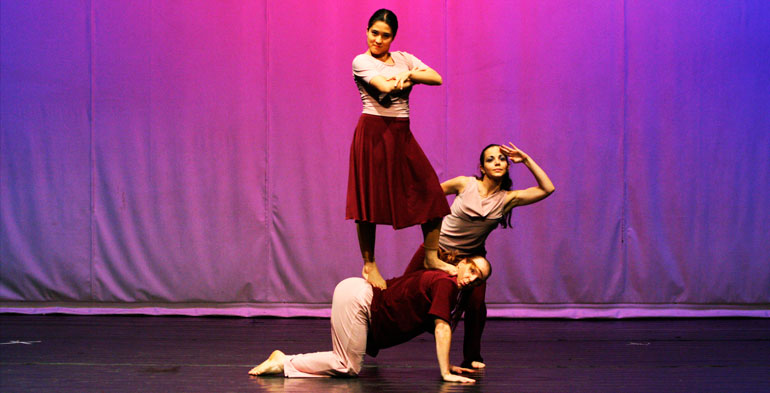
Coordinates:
[391,180]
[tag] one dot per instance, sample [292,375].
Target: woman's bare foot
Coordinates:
[372,275]
[273,364]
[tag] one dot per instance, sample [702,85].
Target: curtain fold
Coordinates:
[160,156]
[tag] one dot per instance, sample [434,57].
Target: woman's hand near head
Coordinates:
[530,195]
[448,268]
[513,153]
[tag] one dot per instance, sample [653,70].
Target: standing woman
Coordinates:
[390,180]
[482,203]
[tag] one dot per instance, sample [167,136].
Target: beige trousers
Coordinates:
[350,322]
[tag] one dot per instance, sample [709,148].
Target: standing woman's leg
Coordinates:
[366,239]
[365,201]
[430,233]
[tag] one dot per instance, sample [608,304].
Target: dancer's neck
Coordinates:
[489,186]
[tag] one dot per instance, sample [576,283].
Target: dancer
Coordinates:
[366,319]
[482,203]
[390,180]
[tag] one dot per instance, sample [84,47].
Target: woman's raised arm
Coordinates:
[530,195]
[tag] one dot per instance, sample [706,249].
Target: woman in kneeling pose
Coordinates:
[481,204]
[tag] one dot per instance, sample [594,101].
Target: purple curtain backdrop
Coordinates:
[191,157]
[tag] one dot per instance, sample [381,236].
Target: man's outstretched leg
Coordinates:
[273,364]
[350,320]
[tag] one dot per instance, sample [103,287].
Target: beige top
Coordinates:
[366,67]
[471,220]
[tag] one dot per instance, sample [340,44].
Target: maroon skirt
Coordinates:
[391,180]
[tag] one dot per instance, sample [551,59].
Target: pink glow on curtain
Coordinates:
[159,156]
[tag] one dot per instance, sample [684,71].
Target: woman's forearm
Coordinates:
[543,181]
[426,77]
[532,194]
[440,265]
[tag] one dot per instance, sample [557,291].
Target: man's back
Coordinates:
[408,307]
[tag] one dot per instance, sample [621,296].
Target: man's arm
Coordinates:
[443,334]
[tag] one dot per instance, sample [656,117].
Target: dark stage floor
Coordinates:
[184,354]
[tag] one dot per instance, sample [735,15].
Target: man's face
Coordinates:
[469,274]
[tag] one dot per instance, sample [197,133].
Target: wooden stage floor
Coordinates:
[65,353]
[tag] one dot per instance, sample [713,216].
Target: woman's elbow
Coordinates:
[432,78]
[385,89]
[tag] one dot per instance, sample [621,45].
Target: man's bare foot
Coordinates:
[273,364]
[477,365]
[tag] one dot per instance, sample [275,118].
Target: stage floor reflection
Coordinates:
[66,353]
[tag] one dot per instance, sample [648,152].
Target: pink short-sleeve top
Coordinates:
[366,67]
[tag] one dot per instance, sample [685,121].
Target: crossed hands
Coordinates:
[401,81]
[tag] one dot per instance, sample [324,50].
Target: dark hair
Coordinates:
[387,16]
[450,257]
[506,184]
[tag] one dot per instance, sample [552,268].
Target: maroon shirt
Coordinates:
[408,308]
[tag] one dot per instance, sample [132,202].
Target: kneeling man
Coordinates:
[366,319]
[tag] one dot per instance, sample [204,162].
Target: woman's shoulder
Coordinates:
[467,179]
[471,183]
[403,56]
[457,185]
[363,58]
[410,60]
[402,53]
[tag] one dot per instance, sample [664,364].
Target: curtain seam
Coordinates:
[624,153]
[91,158]
[268,190]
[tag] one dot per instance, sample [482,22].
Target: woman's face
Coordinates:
[378,38]
[495,163]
